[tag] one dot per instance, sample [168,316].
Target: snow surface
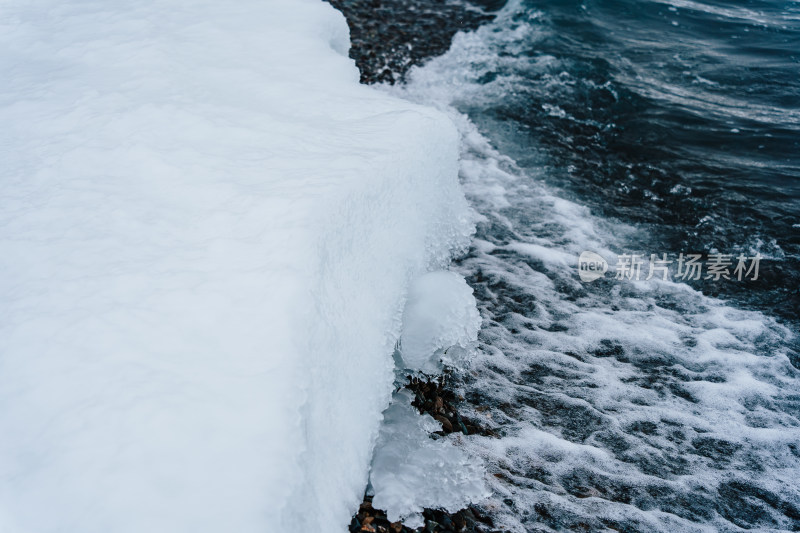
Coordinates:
[411,471]
[207,230]
[440,313]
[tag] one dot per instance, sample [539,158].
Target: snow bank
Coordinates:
[207,228]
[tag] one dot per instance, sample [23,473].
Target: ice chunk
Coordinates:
[207,230]
[440,313]
[410,471]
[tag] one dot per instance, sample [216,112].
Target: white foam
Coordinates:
[642,406]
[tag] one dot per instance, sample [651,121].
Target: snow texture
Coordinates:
[410,471]
[440,313]
[207,231]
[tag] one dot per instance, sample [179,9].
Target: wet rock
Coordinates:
[469,520]
[390,36]
[447,426]
[434,397]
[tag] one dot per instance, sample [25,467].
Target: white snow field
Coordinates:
[207,232]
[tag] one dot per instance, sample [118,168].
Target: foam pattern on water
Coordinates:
[616,405]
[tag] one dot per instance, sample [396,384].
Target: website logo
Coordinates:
[685,267]
[591,266]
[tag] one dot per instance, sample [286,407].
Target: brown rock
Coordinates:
[438,406]
[446,424]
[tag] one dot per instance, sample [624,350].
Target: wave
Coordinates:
[643,406]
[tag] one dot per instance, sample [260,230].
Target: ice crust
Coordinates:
[411,471]
[207,229]
[440,313]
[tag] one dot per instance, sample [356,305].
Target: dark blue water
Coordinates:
[681,115]
[642,127]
